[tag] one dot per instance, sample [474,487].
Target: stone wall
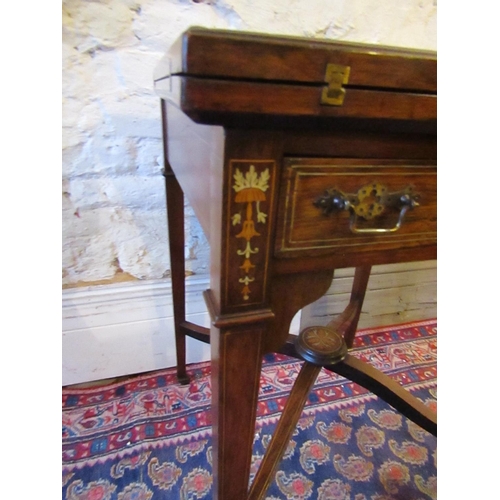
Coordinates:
[114,221]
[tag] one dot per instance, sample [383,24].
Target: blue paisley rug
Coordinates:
[150,438]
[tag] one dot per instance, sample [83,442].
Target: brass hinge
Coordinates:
[336,75]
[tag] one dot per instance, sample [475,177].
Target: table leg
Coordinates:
[361,277]
[284,430]
[175,218]
[238,345]
[236,365]
[346,323]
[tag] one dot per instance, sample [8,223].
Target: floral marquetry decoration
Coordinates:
[250,183]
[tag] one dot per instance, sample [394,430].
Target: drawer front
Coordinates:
[330,206]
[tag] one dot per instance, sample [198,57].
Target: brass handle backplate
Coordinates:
[368,203]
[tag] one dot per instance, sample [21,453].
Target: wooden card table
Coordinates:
[298,157]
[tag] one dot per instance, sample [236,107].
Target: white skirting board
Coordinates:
[127,328]
[396,293]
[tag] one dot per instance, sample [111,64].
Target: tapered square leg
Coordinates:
[236,366]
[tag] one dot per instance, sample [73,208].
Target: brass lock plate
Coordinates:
[336,75]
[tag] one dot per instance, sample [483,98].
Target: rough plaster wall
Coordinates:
[114,221]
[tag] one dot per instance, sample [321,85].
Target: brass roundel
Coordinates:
[321,345]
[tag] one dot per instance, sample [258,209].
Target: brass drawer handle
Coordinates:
[368,203]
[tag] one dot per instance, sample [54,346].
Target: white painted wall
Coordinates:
[114,220]
[113,194]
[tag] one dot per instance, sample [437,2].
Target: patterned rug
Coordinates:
[150,438]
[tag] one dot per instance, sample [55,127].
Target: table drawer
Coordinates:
[329,206]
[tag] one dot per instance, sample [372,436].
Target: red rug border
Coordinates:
[261,421]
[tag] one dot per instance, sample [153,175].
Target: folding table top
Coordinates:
[214,74]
